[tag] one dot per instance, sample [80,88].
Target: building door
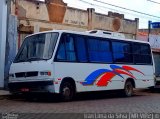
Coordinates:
[157,63]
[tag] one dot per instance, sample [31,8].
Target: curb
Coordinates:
[4,94]
[2,97]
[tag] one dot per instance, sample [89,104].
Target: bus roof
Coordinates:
[96,33]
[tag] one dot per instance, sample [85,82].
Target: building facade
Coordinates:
[34,16]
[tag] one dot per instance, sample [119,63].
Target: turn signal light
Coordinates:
[45,73]
[49,73]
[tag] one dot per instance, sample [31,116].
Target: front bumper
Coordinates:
[34,86]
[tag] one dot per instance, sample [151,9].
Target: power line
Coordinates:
[125,8]
[119,7]
[153,1]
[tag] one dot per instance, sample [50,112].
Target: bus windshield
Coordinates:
[37,47]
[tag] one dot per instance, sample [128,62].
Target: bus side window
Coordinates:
[122,52]
[70,51]
[61,54]
[81,49]
[142,53]
[146,54]
[105,53]
[66,51]
[99,50]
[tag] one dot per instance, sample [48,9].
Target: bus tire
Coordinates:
[152,89]
[128,89]
[66,91]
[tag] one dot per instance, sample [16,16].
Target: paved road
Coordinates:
[143,102]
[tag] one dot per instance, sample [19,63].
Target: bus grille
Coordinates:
[26,74]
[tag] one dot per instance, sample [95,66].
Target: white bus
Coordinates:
[67,62]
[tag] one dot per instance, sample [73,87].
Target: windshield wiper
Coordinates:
[34,59]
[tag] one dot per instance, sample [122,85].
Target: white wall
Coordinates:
[3,22]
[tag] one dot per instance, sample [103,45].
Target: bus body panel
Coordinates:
[80,72]
[30,81]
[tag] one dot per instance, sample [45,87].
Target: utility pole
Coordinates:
[3,26]
[149,28]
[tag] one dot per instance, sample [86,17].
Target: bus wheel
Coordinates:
[128,89]
[152,89]
[66,91]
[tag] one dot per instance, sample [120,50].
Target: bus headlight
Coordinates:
[45,73]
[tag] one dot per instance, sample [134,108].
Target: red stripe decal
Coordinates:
[105,78]
[123,72]
[131,68]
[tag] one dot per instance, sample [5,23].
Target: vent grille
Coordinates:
[26,74]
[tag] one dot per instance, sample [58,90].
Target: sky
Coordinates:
[144,6]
